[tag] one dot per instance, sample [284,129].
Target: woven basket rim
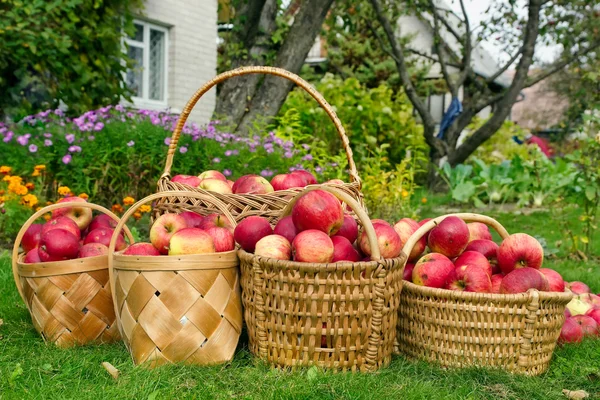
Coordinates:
[175,263]
[563,297]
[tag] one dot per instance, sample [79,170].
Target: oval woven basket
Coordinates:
[173,309]
[338,315]
[69,301]
[241,206]
[514,332]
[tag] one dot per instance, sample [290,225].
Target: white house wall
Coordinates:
[192,50]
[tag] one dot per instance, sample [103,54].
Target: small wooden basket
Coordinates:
[173,309]
[515,332]
[243,205]
[69,301]
[338,315]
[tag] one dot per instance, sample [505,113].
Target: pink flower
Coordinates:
[183,149]
[70,138]
[168,141]
[32,148]
[47,142]
[130,143]
[67,159]
[227,172]
[23,140]
[98,126]
[216,160]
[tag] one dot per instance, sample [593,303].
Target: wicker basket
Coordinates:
[516,332]
[69,301]
[243,205]
[173,309]
[338,315]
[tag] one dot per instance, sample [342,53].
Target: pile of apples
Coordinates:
[582,314]
[215,181]
[317,231]
[70,233]
[186,233]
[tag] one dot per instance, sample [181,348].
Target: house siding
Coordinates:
[192,50]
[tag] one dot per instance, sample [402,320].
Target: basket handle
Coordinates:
[268,71]
[38,214]
[467,217]
[358,210]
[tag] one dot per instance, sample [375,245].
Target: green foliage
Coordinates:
[501,146]
[67,50]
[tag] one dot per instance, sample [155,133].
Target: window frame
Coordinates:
[145,101]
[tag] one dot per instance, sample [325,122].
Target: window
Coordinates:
[148,78]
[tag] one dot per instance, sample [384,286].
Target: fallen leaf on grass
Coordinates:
[111,370]
[576,394]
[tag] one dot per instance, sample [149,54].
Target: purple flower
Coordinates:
[23,140]
[8,137]
[47,142]
[91,138]
[288,154]
[216,160]
[227,172]
[318,169]
[75,149]
[306,147]
[228,153]
[70,138]
[119,108]
[183,149]
[266,173]
[98,126]
[47,135]
[167,141]
[67,159]
[307,157]
[32,148]
[130,143]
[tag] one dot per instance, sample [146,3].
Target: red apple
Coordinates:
[432,270]
[32,256]
[191,241]
[450,237]
[408,270]
[349,229]
[486,247]
[163,229]
[222,238]
[520,251]
[212,174]
[230,183]
[567,313]
[250,230]
[141,249]
[471,278]
[380,221]
[496,281]
[252,184]
[555,280]
[578,307]
[522,279]
[478,231]
[57,245]
[578,287]
[102,221]
[82,216]
[192,219]
[312,246]
[473,258]
[31,237]
[423,222]
[405,228]
[343,250]
[571,332]
[286,228]
[92,250]
[103,236]
[216,185]
[591,299]
[62,223]
[588,325]
[274,246]
[309,179]
[595,314]
[189,180]
[287,181]
[390,245]
[212,220]
[319,210]
[334,182]
[239,181]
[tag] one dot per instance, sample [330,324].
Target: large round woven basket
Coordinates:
[173,309]
[243,205]
[339,315]
[69,301]
[515,332]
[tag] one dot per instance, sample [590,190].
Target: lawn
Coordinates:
[31,369]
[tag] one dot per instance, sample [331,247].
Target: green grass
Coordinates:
[31,369]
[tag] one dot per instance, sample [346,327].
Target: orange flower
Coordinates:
[128,200]
[117,208]
[424,200]
[36,173]
[17,188]
[145,208]
[29,200]
[2,199]
[49,203]
[405,193]
[47,217]
[7,178]
[64,190]
[2,192]
[30,186]
[5,170]
[38,209]
[137,215]
[40,167]
[71,194]
[84,196]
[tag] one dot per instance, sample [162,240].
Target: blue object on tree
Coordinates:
[517,140]
[452,112]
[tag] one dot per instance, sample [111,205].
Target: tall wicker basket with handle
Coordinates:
[515,332]
[173,309]
[69,301]
[338,315]
[240,206]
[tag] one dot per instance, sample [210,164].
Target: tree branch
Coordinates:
[437,45]
[425,55]
[466,48]
[505,67]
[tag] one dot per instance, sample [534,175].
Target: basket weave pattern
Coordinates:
[516,332]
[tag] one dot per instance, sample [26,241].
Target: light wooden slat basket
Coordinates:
[177,309]
[340,315]
[243,205]
[515,332]
[69,301]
